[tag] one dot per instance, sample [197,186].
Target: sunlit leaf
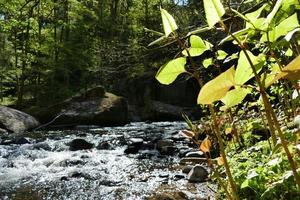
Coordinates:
[236,34]
[228,130]
[157,41]
[258,24]
[231,57]
[169,72]
[244,71]
[205,145]
[274,162]
[255,15]
[295,94]
[245,184]
[198,46]
[282,29]
[217,88]
[235,96]
[252,174]
[221,55]
[273,13]
[291,71]
[214,10]
[289,52]
[187,134]
[198,30]
[207,62]
[220,161]
[169,23]
[267,78]
[289,36]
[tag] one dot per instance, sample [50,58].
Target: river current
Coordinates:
[44,167]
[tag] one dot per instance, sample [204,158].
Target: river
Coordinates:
[42,166]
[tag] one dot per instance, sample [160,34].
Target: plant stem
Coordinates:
[234,129]
[217,129]
[222,152]
[269,110]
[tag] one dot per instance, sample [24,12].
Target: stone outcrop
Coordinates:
[92,107]
[16,121]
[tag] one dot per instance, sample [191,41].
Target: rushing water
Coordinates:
[46,168]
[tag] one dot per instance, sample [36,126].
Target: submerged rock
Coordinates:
[166,147]
[197,174]
[80,144]
[16,121]
[17,140]
[105,146]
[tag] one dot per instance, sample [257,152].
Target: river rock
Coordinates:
[176,195]
[166,147]
[3,131]
[80,144]
[187,169]
[131,149]
[104,146]
[197,174]
[17,140]
[164,143]
[16,121]
[136,142]
[91,107]
[197,154]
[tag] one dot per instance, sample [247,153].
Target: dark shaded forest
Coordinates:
[52,49]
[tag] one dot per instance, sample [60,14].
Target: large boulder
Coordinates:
[91,107]
[16,121]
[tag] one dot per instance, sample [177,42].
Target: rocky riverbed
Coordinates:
[137,161]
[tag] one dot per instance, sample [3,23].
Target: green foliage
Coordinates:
[198,46]
[244,71]
[261,176]
[217,88]
[169,23]
[235,96]
[214,11]
[169,72]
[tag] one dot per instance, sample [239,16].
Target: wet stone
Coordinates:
[104,146]
[187,169]
[179,176]
[197,154]
[168,150]
[80,144]
[197,174]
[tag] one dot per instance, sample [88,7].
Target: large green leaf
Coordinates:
[244,71]
[217,88]
[169,23]
[169,72]
[235,96]
[198,46]
[282,29]
[291,71]
[214,10]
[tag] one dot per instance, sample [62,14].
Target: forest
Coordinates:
[149,99]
